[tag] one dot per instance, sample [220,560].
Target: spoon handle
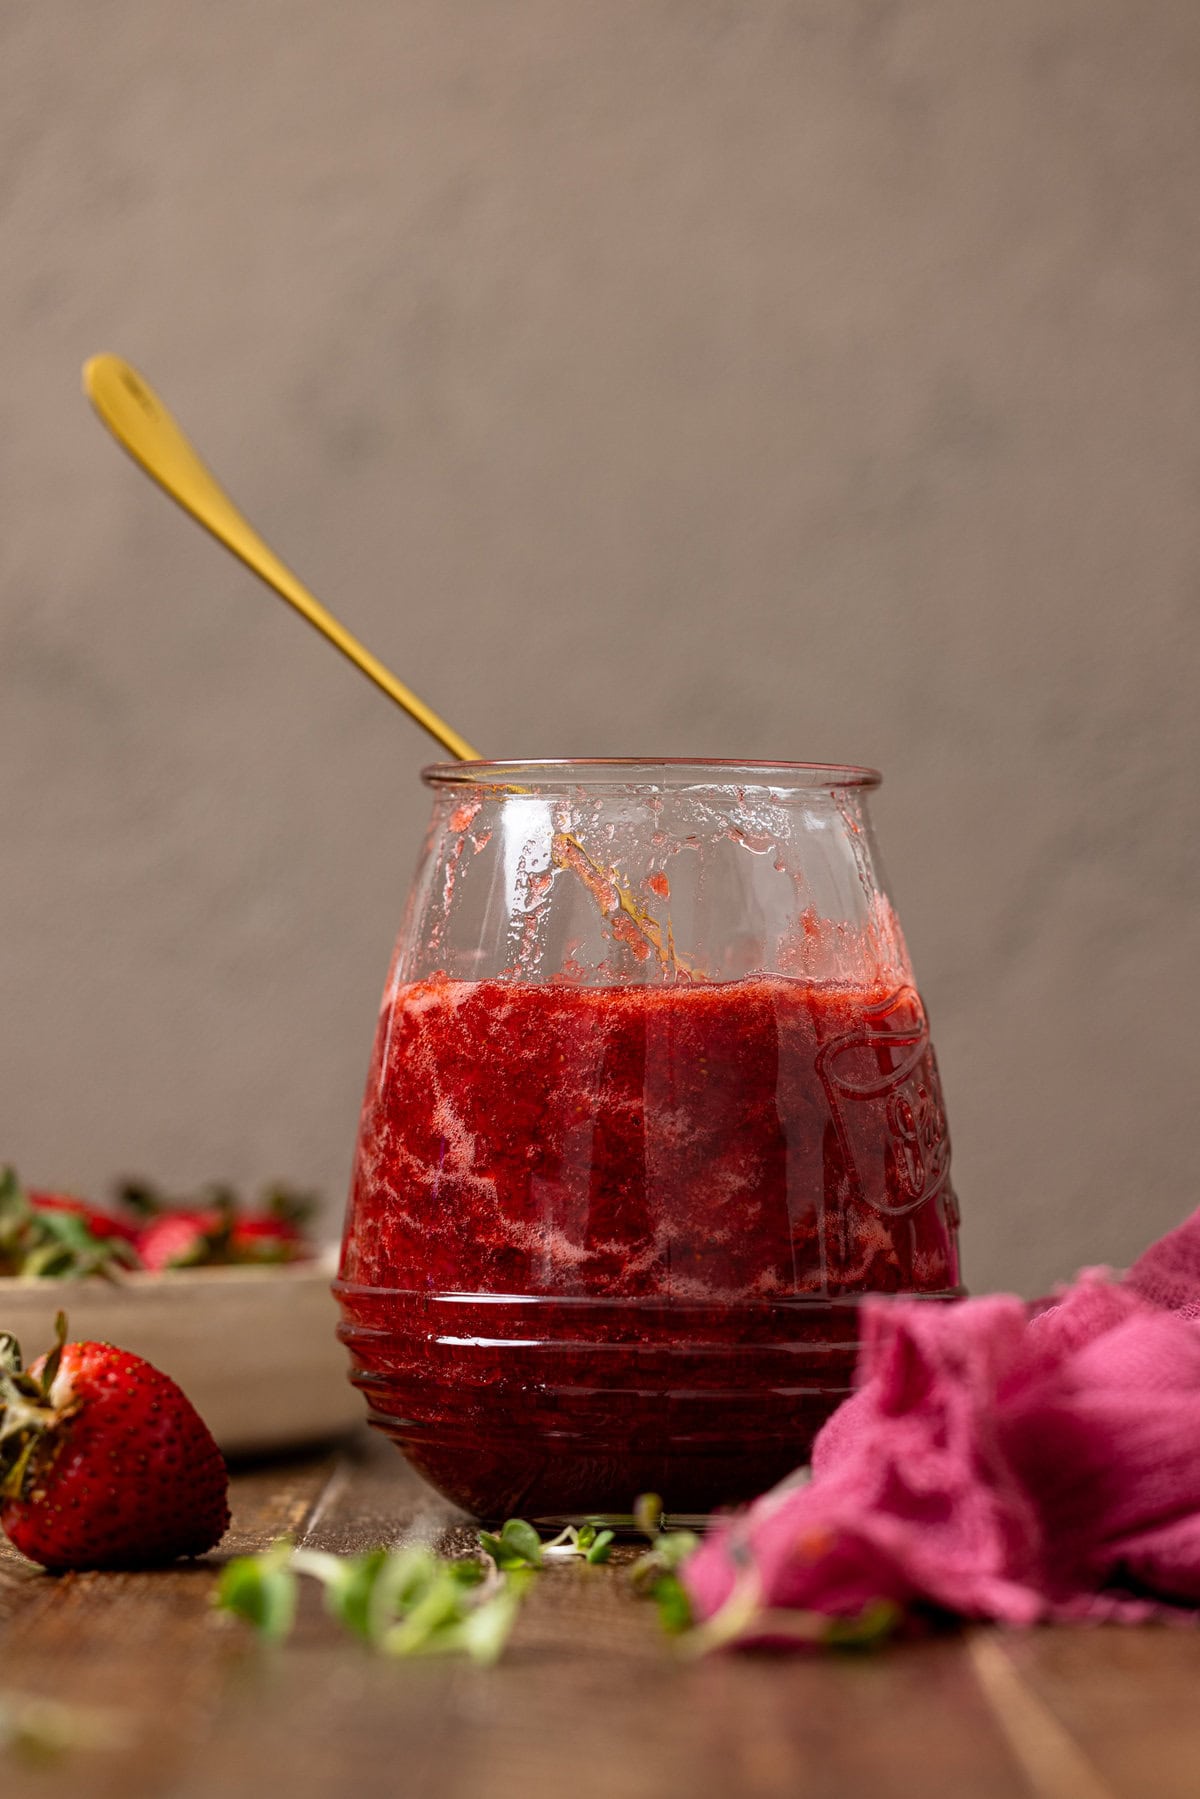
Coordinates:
[142,425]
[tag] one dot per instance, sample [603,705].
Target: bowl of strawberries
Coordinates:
[229,1299]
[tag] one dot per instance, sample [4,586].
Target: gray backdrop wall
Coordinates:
[794,378]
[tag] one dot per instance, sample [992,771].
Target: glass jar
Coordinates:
[652,1104]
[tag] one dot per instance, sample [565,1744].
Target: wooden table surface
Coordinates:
[589,1701]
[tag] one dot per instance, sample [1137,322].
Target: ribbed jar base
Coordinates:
[563,1407]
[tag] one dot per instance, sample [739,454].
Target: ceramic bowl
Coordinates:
[253,1348]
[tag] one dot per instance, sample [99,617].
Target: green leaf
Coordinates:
[53,1361]
[874,1625]
[517,1546]
[674,1607]
[441,1604]
[485,1630]
[350,1599]
[400,1586]
[674,1547]
[288,1204]
[12,1200]
[52,1245]
[349,1582]
[521,1538]
[469,1573]
[141,1198]
[667,1553]
[262,1590]
[41,1730]
[648,1514]
[403,1601]
[600,1547]
[509,1560]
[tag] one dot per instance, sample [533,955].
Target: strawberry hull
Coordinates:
[101,1224]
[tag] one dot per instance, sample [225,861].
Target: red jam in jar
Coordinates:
[609,1223]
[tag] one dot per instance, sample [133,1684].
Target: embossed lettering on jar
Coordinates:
[652,1104]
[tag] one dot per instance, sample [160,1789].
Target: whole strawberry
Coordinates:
[182,1239]
[217,1231]
[104,1462]
[267,1240]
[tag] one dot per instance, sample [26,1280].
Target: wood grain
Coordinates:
[590,1702]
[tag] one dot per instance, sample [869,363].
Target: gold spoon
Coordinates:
[141,424]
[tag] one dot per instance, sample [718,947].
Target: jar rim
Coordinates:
[649,771]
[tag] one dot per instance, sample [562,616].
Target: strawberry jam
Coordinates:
[604,1240]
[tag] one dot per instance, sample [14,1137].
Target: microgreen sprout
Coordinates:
[518,1545]
[401,1602]
[409,1601]
[41,1730]
[655,1574]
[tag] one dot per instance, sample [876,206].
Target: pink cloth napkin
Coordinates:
[997,1460]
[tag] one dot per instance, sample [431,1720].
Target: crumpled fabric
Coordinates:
[997,1460]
